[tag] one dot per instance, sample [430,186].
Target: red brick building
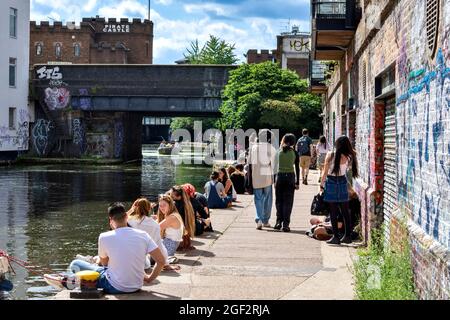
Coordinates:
[95,40]
[253,56]
[292,53]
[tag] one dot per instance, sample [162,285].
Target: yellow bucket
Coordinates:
[88,275]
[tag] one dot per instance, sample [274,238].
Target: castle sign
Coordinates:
[112,28]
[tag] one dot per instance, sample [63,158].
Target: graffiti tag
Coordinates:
[49,74]
[40,136]
[57,98]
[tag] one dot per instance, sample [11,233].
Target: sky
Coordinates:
[249,24]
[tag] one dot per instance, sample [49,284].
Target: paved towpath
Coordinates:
[239,262]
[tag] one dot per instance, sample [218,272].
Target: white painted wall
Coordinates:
[17,139]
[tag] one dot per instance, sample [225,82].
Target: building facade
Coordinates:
[390,93]
[14,66]
[293,52]
[94,41]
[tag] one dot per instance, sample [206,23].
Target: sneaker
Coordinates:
[259,226]
[334,240]
[277,226]
[172,260]
[267,225]
[346,239]
[286,229]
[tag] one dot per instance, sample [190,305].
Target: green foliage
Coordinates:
[395,272]
[266,96]
[215,51]
[279,114]
[188,123]
[311,107]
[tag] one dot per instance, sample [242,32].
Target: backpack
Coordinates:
[303,146]
[318,206]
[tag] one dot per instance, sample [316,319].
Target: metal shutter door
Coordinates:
[390,165]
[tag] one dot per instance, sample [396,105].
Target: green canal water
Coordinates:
[50,213]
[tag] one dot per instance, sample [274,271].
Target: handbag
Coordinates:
[318,206]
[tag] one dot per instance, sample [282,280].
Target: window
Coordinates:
[39,49]
[12,118]
[12,71]
[147,49]
[77,50]
[58,50]
[12,22]
[432,23]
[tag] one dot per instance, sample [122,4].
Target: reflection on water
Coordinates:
[48,214]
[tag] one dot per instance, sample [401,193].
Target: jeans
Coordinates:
[102,282]
[263,204]
[284,197]
[171,246]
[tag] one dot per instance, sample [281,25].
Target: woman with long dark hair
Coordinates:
[287,180]
[334,182]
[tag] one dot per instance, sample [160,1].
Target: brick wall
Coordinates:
[253,56]
[91,35]
[393,33]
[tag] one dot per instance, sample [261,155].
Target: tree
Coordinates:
[311,107]
[214,51]
[188,123]
[266,96]
[280,114]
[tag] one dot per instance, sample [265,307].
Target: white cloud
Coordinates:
[90,5]
[164,2]
[124,9]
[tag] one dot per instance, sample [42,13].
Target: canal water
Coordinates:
[50,213]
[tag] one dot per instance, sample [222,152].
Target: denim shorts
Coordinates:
[336,189]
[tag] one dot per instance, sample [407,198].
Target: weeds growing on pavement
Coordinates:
[384,274]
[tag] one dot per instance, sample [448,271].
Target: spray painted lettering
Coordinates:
[49,73]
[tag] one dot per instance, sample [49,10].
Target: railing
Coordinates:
[329,9]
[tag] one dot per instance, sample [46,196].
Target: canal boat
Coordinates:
[169,149]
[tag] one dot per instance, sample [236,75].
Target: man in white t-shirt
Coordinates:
[122,254]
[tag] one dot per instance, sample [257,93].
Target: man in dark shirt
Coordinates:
[304,152]
[238,179]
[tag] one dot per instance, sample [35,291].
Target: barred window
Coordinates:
[432,21]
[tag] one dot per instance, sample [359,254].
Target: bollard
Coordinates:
[88,286]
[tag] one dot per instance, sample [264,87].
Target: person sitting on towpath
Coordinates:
[138,218]
[121,256]
[215,193]
[202,220]
[186,211]
[171,224]
[224,178]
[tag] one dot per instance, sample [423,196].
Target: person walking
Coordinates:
[322,149]
[287,181]
[304,151]
[261,161]
[334,183]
